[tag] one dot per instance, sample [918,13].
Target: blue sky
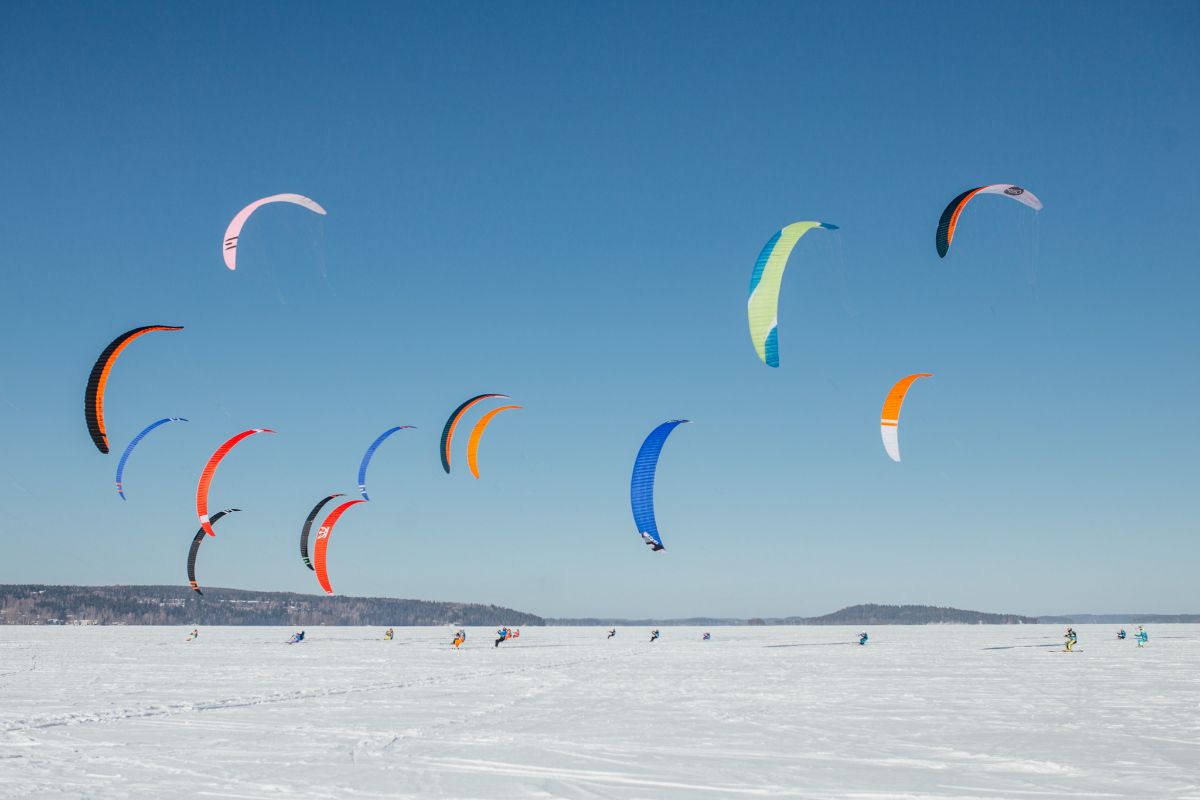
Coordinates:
[563,202]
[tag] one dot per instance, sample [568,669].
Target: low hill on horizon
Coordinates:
[863,614]
[875,614]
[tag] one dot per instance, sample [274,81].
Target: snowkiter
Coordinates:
[862,638]
[501,634]
[1142,637]
[389,634]
[1071,638]
[654,634]
[460,636]
[1121,634]
[612,633]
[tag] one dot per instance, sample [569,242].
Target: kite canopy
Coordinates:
[210,469]
[308,526]
[196,540]
[949,220]
[134,443]
[322,546]
[762,308]
[93,396]
[452,423]
[366,459]
[889,419]
[477,434]
[641,486]
[234,231]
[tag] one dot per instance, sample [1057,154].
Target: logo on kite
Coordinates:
[323,532]
[1013,191]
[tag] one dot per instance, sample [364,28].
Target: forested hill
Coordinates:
[872,614]
[869,614]
[32,604]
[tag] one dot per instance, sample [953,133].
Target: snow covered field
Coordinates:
[920,712]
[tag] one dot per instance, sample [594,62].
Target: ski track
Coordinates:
[928,713]
[119,714]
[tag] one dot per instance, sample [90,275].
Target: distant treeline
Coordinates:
[35,604]
[1114,619]
[872,614]
[867,614]
[584,622]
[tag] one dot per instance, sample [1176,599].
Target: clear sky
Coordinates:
[563,202]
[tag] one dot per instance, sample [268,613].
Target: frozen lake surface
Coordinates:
[920,712]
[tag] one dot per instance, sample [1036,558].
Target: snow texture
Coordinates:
[965,712]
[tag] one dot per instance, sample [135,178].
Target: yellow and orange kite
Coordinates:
[477,434]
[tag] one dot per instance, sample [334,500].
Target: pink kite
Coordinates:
[235,226]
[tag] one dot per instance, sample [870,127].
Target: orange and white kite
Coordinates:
[889,421]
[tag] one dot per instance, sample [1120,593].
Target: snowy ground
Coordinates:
[920,712]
